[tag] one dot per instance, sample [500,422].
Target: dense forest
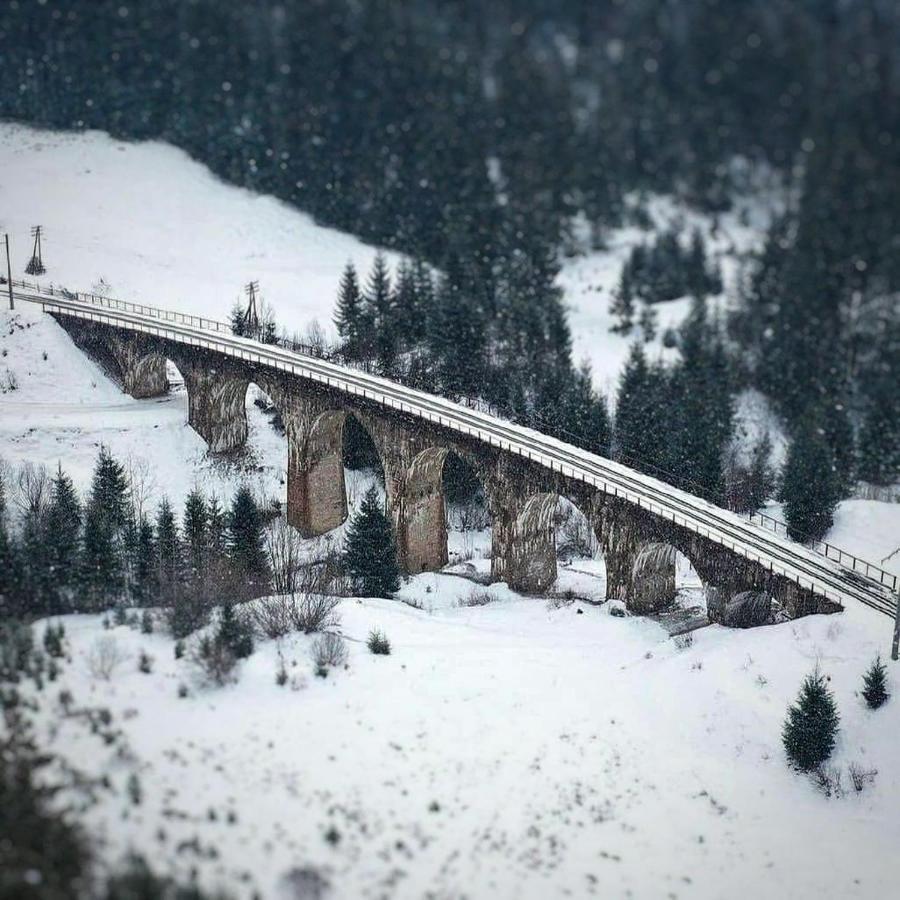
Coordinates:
[470,135]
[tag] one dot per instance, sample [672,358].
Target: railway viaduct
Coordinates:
[639,521]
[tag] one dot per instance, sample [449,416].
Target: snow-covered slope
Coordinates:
[144,222]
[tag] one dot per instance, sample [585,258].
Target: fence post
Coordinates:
[895,646]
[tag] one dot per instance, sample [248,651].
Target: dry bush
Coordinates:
[328,651]
[860,777]
[104,657]
[477,598]
[309,613]
[284,549]
[214,660]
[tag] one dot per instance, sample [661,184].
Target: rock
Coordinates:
[616,608]
[747,610]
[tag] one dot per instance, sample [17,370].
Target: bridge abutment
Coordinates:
[217,397]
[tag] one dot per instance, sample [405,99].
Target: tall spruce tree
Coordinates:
[62,537]
[812,723]
[370,553]
[379,301]
[245,536]
[168,548]
[144,581]
[810,488]
[195,527]
[349,315]
[103,562]
[639,425]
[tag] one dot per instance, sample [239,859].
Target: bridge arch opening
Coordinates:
[663,578]
[336,465]
[553,550]
[445,514]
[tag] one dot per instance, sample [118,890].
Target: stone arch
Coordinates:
[423,536]
[142,365]
[656,576]
[317,490]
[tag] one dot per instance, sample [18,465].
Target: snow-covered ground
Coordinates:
[503,750]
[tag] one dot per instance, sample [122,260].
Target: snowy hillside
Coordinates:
[192,242]
[144,222]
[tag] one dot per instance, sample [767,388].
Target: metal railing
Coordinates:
[151,312]
[829,551]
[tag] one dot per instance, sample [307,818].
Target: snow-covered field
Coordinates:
[520,748]
[506,750]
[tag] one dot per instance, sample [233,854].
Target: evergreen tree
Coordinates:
[245,536]
[195,528]
[63,534]
[237,319]
[761,477]
[639,427]
[621,306]
[379,302]
[145,565]
[370,553]
[235,632]
[168,549]
[810,488]
[216,529]
[348,317]
[107,512]
[874,684]
[8,559]
[812,723]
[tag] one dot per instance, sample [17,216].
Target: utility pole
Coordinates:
[12,305]
[251,321]
[36,264]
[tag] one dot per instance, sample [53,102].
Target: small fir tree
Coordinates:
[370,554]
[195,525]
[235,633]
[875,684]
[812,723]
[63,532]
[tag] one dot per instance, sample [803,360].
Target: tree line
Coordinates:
[64,554]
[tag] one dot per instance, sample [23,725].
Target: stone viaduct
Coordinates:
[638,547]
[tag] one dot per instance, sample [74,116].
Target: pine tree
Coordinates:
[168,549]
[63,533]
[621,306]
[370,553]
[103,562]
[216,529]
[811,725]
[379,301]
[349,312]
[145,568]
[195,526]
[8,559]
[639,423]
[761,477]
[235,632]
[875,684]
[245,537]
[810,488]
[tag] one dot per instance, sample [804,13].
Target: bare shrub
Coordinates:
[860,777]
[214,660]
[104,657]
[328,651]
[284,549]
[309,613]
[830,780]
[477,598]
[314,612]
[33,491]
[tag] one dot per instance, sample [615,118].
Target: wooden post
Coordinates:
[895,647]
[12,304]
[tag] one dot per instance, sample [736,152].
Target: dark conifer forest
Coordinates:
[470,135]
